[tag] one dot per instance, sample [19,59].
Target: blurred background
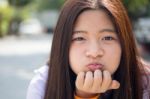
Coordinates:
[26,33]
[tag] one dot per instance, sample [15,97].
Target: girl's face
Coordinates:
[95,44]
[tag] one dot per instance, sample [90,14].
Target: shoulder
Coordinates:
[146,87]
[146,81]
[36,88]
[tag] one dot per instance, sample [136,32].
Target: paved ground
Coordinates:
[19,56]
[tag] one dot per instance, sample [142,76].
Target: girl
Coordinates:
[93,56]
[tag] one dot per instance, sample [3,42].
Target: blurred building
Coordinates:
[48,19]
[143,32]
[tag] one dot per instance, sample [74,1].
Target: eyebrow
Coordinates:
[107,30]
[101,31]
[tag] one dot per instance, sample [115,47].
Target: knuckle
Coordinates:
[103,91]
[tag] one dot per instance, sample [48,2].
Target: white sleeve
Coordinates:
[36,88]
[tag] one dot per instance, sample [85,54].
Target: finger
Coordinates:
[106,81]
[80,80]
[114,85]
[88,81]
[97,81]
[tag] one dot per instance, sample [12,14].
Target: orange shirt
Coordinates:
[77,97]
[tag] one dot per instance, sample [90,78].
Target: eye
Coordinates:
[108,38]
[78,39]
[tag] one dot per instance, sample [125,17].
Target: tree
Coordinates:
[5,16]
[19,3]
[12,14]
[136,8]
[49,4]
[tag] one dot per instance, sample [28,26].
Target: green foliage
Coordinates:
[49,4]
[19,3]
[137,8]
[7,12]
[22,8]
[5,16]
[134,5]
[16,10]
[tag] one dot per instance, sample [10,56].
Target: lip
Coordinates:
[94,66]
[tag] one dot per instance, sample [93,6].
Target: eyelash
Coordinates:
[78,39]
[108,38]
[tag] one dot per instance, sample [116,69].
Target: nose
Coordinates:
[94,50]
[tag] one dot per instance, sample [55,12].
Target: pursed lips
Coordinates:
[94,66]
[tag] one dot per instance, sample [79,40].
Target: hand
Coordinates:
[90,84]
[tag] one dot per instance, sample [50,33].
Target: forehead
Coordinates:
[93,19]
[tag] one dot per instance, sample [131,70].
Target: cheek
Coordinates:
[76,52]
[114,57]
[75,56]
